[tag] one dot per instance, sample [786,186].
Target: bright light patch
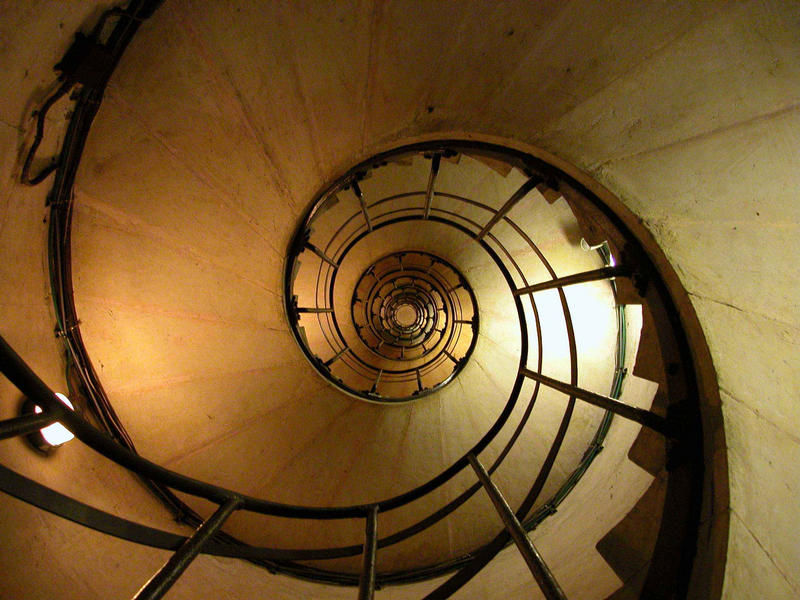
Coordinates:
[56,434]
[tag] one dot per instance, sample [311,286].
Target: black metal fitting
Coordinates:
[86,62]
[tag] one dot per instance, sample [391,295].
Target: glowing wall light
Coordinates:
[52,436]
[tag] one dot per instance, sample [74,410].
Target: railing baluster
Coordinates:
[322,255]
[360,196]
[167,575]
[431,181]
[645,417]
[585,277]
[27,424]
[366,584]
[542,574]
[336,357]
[516,197]
[377,381]
[314,311]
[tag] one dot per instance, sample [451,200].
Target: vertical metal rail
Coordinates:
[366,583]
[360,196]
[487,484]
[585,277]
[167,575]
[431,181]
[322,255]
[510,203]
[377,381]
[536,564]
[27,424]
[336,357]
[645,417]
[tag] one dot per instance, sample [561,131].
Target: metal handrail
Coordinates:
[489,237]
[252,504]
[418,492]
[671,337]
[452,472]
[150,535]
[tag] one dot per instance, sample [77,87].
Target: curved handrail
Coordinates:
[388,504]
[12,365]
[347,512]
[392,502]
[219,494]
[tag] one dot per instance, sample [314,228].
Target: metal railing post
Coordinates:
[366,584]
[585,277]
[167,575]
[363,203]
[27,424]
[640,415]
[536,564]
[510,203]
[431,181]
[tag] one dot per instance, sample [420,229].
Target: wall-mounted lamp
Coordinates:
[586,247]
[48,438]
[604,250]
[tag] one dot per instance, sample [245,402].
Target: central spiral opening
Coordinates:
[405,316]
[389,261]
[408,306]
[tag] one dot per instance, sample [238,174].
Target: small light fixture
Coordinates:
[603,248]
[588,248]
[54,435]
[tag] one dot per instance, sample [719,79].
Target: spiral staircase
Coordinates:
[443,359]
